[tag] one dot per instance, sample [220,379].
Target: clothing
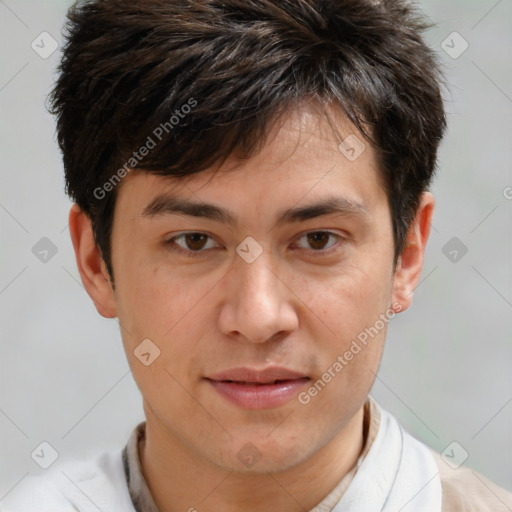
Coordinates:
[395,472]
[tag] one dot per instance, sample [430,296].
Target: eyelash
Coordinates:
[170,243]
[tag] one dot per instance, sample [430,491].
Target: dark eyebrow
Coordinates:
[166,204]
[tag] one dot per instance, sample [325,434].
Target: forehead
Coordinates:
[306,154]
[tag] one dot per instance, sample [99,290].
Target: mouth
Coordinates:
[270,383]
[258,389]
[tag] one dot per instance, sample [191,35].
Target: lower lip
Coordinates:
[259,396]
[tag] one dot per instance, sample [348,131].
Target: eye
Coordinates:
[195,243]
[318,240]
[190,243]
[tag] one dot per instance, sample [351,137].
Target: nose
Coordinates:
[257,304]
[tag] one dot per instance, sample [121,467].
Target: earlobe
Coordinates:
[410,262]
[91,266]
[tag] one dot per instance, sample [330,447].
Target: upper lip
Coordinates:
[265,376]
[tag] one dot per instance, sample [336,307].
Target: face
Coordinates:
[287,276]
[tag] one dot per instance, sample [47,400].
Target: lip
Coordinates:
[257,389]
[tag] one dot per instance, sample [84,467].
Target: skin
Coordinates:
[296,306]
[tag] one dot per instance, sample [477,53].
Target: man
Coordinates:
[250,182]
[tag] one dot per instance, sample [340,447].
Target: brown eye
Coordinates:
[191,243]
[195,241]
[319,240]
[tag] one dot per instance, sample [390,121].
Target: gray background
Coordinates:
[446,372]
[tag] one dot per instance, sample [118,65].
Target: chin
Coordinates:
[262,456]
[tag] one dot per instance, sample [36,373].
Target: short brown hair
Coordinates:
[128,66]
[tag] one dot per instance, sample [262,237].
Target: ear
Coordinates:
[410,262]
[91,266]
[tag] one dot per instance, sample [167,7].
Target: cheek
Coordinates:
[150,300]
[167,309]
[349,318]
[346,302]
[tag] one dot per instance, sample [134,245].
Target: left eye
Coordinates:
[317,240]
[193,242]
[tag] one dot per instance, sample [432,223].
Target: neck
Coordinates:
[181,480]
